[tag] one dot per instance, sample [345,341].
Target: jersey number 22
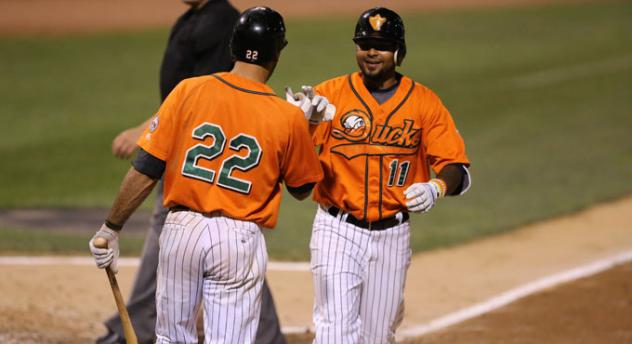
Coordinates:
[191,169]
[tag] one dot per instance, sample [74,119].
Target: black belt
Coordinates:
[178,208]
[372,226]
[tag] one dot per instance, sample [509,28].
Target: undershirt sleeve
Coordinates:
[148,165]
[301,189]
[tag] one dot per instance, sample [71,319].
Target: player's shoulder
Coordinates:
[334,83]
[338,80]
[283,116]
[195,82]
[190,86]
[421,90]
[287,109]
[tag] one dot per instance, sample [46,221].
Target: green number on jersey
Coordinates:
[403,172]
[241,163]
[191,168]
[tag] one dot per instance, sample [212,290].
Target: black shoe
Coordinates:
[110,338]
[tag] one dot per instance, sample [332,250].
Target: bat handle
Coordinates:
[126,322]
[100,242]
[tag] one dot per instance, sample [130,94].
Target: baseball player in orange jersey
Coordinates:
[376,154]
[222,173]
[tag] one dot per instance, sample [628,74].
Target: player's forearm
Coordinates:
[134,189]
[452,175]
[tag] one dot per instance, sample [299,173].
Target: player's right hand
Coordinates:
[105,257]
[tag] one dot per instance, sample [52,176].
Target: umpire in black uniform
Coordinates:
[198,45]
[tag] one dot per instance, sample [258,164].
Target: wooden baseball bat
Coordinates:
[128,330]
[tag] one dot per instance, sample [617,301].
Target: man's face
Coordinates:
[376,58]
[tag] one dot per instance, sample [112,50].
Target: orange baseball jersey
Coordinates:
[228,142]
[370,152]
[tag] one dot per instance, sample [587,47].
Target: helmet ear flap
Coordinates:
[399,55]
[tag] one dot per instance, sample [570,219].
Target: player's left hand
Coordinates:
[421,197]
[105,257]
[124,145]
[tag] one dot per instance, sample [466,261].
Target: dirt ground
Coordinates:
[66,303]
[62,16]
[591,310]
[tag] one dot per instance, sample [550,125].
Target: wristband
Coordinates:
[441,186]
[113,226]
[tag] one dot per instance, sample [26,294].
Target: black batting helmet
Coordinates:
[382,23]
[258,36]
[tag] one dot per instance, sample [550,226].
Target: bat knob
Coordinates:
[100,242]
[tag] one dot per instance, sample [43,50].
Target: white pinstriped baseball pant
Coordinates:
[359,278]
[214,259]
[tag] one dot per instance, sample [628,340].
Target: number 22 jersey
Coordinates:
[228,143]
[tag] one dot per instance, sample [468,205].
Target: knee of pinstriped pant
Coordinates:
[339,332]
[336,326]
[379,328]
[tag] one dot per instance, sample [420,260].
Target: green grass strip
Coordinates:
[541,96]
[39,241]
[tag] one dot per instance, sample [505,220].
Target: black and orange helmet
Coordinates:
[382,23]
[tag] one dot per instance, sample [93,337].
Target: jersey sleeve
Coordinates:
[300,164]
[443,143]
[158,137]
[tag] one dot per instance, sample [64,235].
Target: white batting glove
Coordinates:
[421,197]
[329,110]
[308,91]
[315,107]
[323,110]
[330,113]
[300,100]
[319,104]
[105,257]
